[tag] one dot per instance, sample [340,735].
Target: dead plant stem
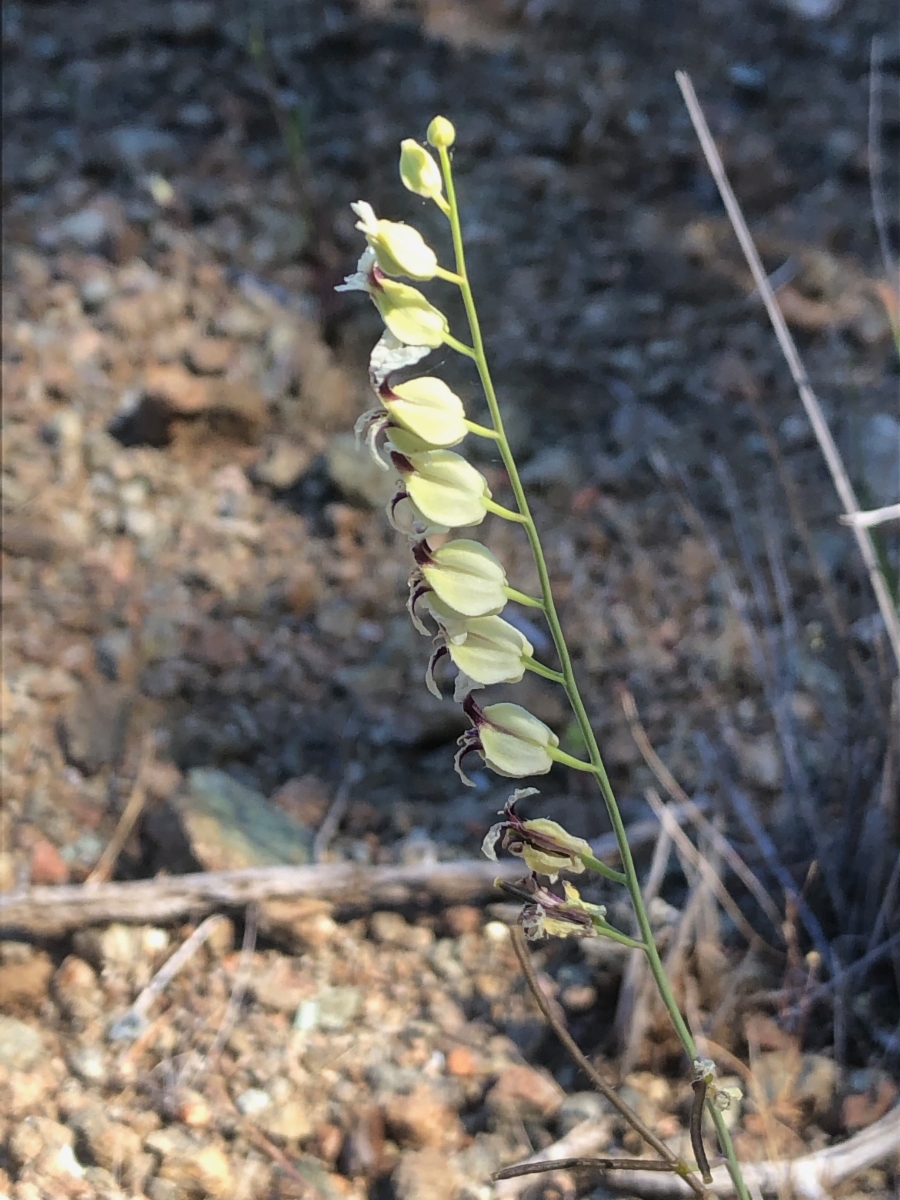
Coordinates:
[788,347]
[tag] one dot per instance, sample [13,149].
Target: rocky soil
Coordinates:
[201,595]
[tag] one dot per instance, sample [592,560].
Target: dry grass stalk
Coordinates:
[694,813]
[134,1021]
[703,867]
[788,347]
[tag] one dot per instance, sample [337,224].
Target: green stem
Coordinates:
[569,760]
[459,347]
[449,276]
[614,935]
[481,430]
[531,664]
[506,513]
[521,597]
[600,868]
[632,881]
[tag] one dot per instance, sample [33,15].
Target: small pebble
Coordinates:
[252,1102]
[21,1045]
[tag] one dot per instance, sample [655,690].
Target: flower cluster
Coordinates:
[547,849]
[459,586]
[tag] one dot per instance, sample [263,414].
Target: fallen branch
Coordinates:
[53,911]
[808,1177]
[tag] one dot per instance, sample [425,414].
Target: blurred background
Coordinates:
[199,585]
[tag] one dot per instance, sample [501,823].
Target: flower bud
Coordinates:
[463,574]
[399,249]
[440,133]
[511,741]
[545,846]
[419,172]
[427,408]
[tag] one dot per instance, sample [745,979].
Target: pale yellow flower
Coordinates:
[511,741]
[399,249]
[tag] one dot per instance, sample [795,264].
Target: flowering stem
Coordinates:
[596,765]
[569,760]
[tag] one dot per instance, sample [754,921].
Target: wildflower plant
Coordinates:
[458,589]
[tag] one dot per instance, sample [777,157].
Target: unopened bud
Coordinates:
[441,133]
[419,172]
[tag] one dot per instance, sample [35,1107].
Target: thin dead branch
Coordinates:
[233,1007]
[334,816]
[132,1023]
[744,811]
[874,516]
[788,347]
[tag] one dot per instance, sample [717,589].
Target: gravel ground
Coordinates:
[199,588]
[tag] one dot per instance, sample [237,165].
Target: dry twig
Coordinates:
[52,911]
[133,1022]
[700,864]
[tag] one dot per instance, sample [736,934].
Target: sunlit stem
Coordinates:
[596,764]
[450,276]
[460,347]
